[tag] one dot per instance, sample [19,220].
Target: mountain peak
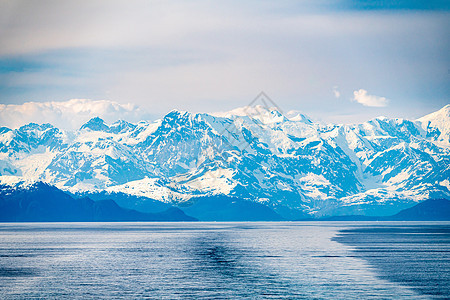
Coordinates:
[297,116]
[4,130]
[437,124]
[243,111]
[95,124]
[175,115]
[35,126]
[443,113]
[121,126]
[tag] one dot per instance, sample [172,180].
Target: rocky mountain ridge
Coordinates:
[288,163]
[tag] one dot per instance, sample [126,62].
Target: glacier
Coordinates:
[287,162]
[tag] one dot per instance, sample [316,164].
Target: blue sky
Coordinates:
[337,61]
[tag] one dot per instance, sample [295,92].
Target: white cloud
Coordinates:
[68,115]
[365,99]
[336,92]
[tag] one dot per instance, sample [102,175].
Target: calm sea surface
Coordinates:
[293,260]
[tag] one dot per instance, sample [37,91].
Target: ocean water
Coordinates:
[268,260]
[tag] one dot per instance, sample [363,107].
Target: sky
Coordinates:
[335,60]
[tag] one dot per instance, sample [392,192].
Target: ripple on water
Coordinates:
[190,261]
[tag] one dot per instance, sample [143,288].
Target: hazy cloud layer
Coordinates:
[68,115]
[218,55]
[365,99]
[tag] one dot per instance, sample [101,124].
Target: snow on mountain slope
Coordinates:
[437,126]
[149,187]
[286,162]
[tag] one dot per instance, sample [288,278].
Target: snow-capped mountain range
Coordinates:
[287,162]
